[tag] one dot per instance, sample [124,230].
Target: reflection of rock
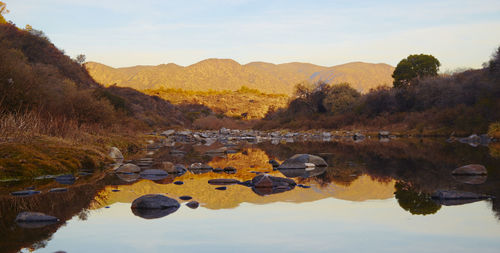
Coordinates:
[58,190]
[223,181]
[128,177]
[35,220]
[299,162]
[66,179]
[453,195]
[471,169]
[264,184]
[152,206]
[154,174]
[185,197]
[470,179]
[303,173]
[128,168]
[456,202]
[25,193]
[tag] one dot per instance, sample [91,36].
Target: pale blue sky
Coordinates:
[149,32]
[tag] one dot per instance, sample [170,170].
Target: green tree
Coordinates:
[410,70]
[341,98]
[3,10]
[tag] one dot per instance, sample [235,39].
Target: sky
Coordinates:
[461,34]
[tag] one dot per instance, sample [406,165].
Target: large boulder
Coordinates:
[152,206]
[35,220]
[302,161]
[471,169]
[115,154]
[128,168]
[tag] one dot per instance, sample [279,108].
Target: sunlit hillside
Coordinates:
[227,74]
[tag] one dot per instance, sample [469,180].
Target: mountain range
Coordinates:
[227,74]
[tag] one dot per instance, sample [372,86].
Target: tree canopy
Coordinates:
[410,70]
[3,10]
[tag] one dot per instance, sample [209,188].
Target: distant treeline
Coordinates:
[466,102]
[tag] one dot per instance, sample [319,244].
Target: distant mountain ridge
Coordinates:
[227,74]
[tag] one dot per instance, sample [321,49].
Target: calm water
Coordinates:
[373,197]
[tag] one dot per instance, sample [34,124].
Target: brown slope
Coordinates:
[362,76]
[227,74]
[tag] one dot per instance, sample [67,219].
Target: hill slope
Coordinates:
[226,74]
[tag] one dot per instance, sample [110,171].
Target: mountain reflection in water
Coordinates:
[407,170]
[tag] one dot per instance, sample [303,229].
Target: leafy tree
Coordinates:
[80,59]
[340,98]
[494,64]
[3,10]
[410,70]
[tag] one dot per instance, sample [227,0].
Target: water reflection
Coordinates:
[408,171]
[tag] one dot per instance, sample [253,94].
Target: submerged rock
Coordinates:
[266,181]
[223,181]
[152,206]
[302,161]
[470,169]
[178,182]
[193,204]
[185,197]
[35,220]
[128,168]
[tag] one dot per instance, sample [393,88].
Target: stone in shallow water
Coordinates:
[303,186]
[185,197]
[193,204]
[152,206]
[154,174]
[24,193]
[222,188]
[299,161]
[230,170]
[178,182]
[115,190]
[128,168]
[223,181]
[35,220]
[218,170]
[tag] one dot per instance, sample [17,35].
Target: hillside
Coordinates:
[226,74]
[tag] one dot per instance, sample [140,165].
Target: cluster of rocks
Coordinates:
[62,179]
[227,136]
[473,140]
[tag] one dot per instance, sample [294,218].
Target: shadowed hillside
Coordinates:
[227,74]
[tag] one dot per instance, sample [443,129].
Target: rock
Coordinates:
[304,186]
[199,168]
[303,173]
[193,204]
[66,179]
[224,131]
[274,163]
[152,206]
[181,169]
[154,174]
[230,170]
[471,169]
[24,193]
[217,151]
[185,197]
[128,168]
[384,134]
[58,190]
[115,190]
[358,137]
[452,194]
[299,162]
[218,170]
[178,182]
[168,132]
[166,166]
[35,220]
[222,188]
[223,181]
[115,154]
